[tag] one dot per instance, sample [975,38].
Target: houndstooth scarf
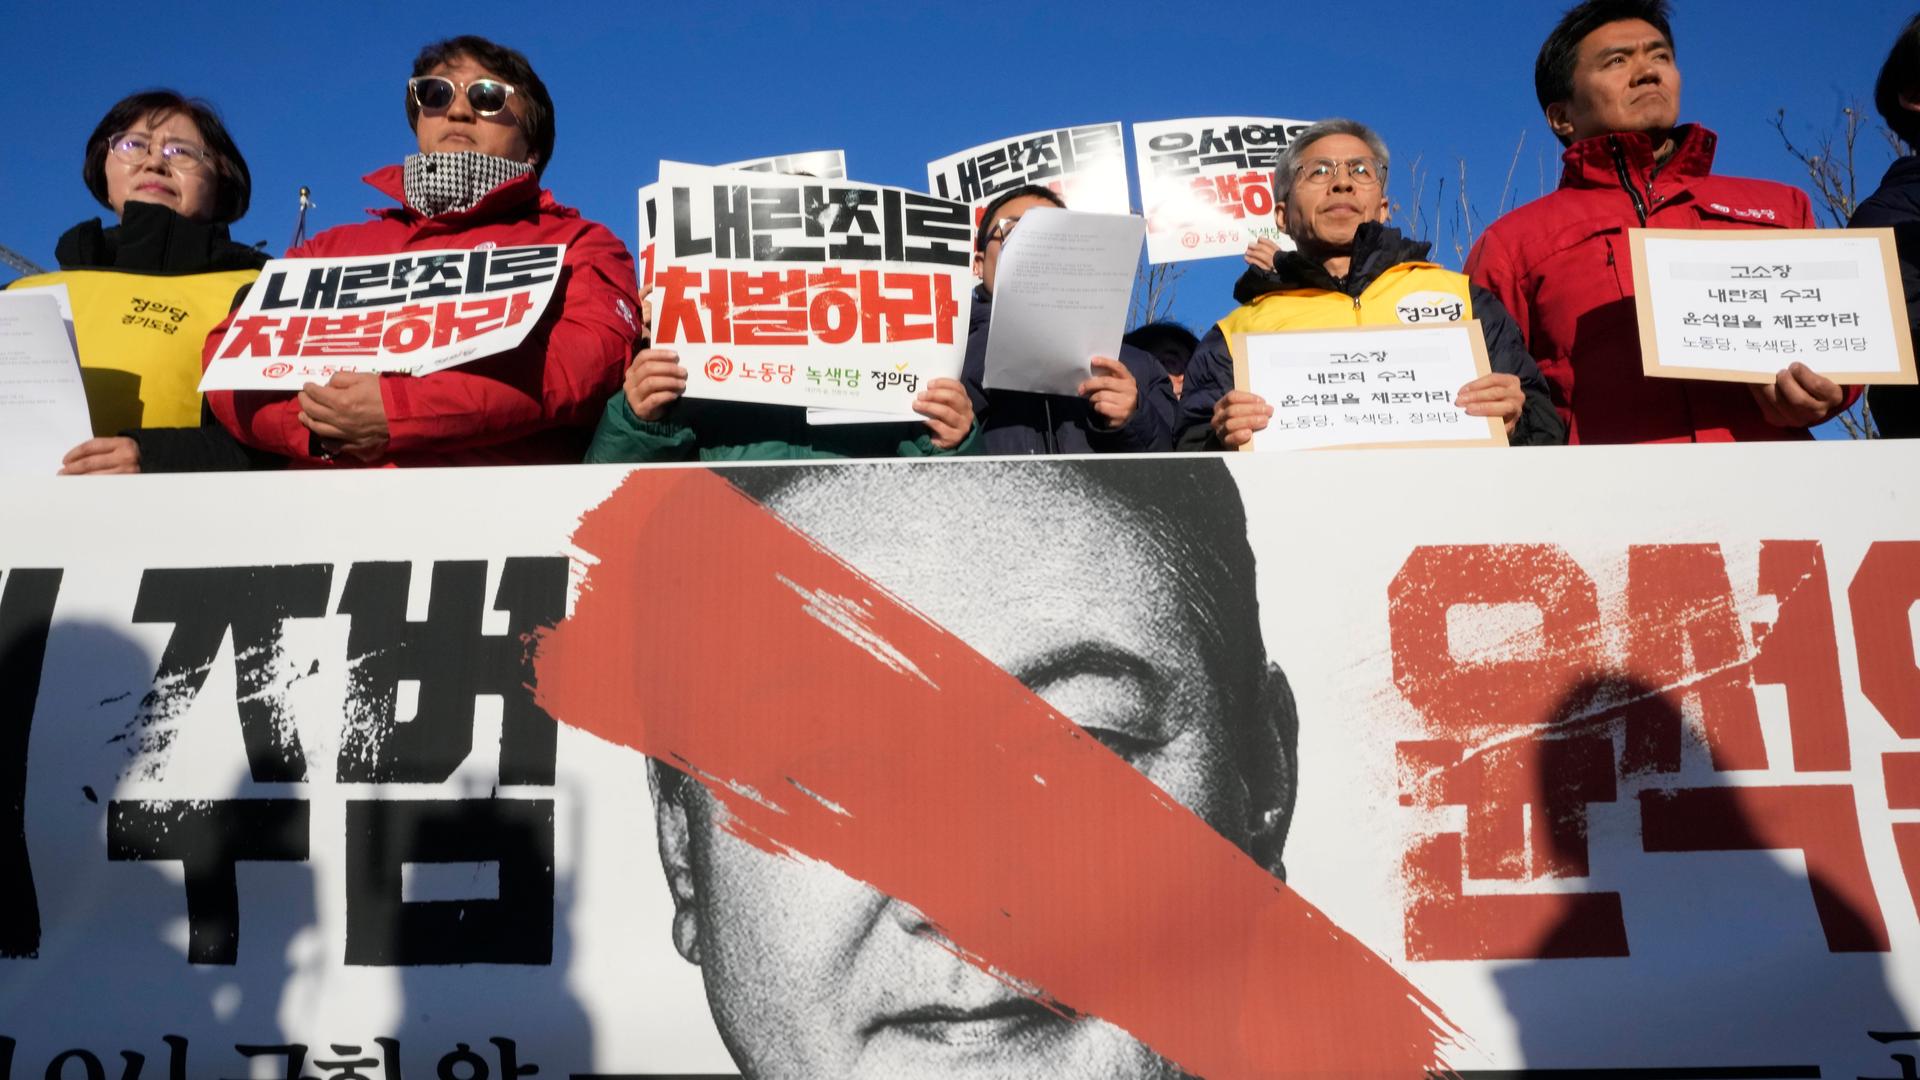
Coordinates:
[442,183]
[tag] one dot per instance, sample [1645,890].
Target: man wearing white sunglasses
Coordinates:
[484,125]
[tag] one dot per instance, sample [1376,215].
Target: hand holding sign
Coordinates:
[112,454]
[1239,414]
[949,412]
[655,380]
[1497,394]
[1112,393]
[348,414]
[1799,397]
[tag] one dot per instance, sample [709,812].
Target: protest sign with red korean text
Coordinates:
[789,290]
[415,312]
[1086,166]
[1206,184]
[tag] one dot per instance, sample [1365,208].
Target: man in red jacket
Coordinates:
[484,123]
[1611,90]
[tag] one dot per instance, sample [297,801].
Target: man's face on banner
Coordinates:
[812,974]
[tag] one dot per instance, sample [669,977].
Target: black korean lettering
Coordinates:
[851,224]
[294,1053]
[252,602]
[436,276]
[209,838]
[323,288]
[453,662]
[684,242]
[732,222]
[273,293]
[368,285]
[967,180]
[26,617]
[514,927]
[779,210]
[946,226]
[476,272]
[507,269]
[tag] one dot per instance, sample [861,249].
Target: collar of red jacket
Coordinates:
[501,201]
[1595,162]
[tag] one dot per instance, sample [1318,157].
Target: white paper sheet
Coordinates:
[43,403]
[1367,387]
[1060,294]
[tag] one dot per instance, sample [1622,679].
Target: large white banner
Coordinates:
[1573,759]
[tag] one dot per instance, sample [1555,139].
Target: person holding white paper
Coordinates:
[1350,270]
[145,289]
[1125,404]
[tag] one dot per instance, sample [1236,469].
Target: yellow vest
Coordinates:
[1410,294]
[140,337]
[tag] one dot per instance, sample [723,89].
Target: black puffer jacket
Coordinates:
[1896,206]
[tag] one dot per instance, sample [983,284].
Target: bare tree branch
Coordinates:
[1153,291]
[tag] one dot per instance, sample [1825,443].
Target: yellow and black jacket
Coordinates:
[145,293]
[1391,284]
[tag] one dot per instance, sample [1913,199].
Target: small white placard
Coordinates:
[1739,305]
[1384,386]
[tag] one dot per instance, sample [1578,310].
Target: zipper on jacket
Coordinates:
[1626,179]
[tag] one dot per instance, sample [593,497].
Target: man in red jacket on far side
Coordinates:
[1611,90]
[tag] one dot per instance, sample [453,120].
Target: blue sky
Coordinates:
[313,92]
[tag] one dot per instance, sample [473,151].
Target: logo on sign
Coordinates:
[1754,214]
[1415,309]
[719,368]
[277,371]
[1190,239]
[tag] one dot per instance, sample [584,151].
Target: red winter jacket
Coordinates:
[1560,265]
[536,404]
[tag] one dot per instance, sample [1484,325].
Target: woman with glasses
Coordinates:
[147,288]
[1351,270]
[484,128]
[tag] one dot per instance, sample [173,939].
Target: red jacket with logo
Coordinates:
[536,404]
[1561,266]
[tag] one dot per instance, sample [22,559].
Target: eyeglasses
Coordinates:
[1319,172]
[134,148]
[487,96]
[999,230]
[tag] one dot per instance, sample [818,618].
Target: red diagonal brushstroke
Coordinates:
[1092,885]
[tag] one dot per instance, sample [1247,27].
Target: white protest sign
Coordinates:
[796,291]
[1086,166]
[1206,184]
[824,164]
[43,403]
[414,312]
[649,225]
[820,164]
[1739,305]
[1377,386]
[1060,292]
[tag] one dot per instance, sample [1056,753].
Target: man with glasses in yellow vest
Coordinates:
[1350,269]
